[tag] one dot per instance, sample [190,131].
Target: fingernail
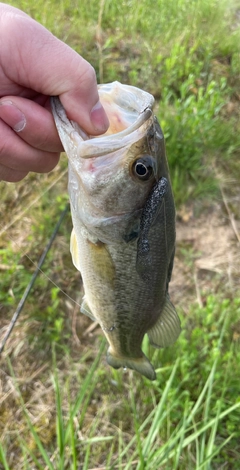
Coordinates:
[99,118]
[12,116]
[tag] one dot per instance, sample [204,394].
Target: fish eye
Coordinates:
[143,168]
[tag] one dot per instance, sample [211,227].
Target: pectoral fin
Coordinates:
[132,231]
[86,310]
[167,329]
[149,216]
[74,249]
[101,263]
[141,365]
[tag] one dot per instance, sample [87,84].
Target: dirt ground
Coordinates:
[208,252]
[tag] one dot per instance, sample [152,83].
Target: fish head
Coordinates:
[110,176]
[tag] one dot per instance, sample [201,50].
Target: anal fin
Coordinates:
[167,328]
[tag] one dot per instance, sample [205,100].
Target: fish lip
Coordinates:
[102,145]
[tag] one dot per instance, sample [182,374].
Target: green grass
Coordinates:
[61,406]
[186,53]
[188,418]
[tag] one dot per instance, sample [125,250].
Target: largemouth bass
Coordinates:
[123,215]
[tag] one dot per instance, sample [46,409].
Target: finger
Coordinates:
[20,156]
[11,176]
[51,67]
[33,123]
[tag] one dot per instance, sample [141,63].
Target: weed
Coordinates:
[61,407]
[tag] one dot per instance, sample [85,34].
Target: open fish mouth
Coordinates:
[128,108]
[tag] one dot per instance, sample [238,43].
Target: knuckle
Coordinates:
[92,73]
[47,162]
[15,176]
[4,148]
[18,157]
[9,148]
[88,75]
[11,176]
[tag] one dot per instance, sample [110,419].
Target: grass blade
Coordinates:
[3,459]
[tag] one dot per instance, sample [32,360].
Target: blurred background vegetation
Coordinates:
[61,406]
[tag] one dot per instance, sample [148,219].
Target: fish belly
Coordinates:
[114,296]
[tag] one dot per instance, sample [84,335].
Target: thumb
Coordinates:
[43,63]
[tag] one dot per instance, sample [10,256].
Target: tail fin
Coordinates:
[141,365]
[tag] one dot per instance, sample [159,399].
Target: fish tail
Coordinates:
[141,365]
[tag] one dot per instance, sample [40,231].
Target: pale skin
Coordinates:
[35,65]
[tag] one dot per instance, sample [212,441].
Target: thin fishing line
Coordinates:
[34,276]
[41,271]
[52,282]
[6,227]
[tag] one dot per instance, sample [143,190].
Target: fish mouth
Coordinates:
[129,110]
[98,147]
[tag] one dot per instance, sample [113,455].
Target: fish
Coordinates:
[123,214]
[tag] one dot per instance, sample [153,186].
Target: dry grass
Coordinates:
[207,258]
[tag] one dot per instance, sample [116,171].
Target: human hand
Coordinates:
[35,65]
